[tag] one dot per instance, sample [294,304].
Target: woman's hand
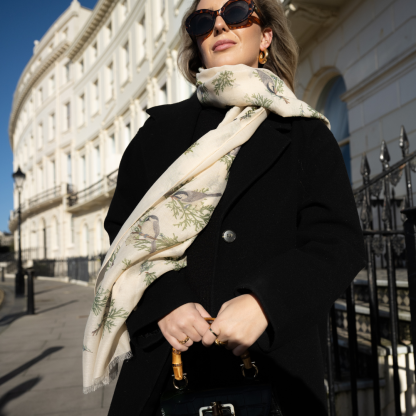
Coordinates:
[187,320]
[240,321]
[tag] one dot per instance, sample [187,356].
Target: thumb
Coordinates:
[202,311]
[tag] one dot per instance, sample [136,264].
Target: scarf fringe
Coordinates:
[112,373]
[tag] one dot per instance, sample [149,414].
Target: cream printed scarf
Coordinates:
[176,208]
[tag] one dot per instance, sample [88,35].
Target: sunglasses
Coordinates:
[236,14]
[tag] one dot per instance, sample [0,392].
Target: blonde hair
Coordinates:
[283,51]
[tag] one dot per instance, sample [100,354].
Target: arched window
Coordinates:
[335,110]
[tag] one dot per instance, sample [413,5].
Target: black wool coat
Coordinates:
[298,246]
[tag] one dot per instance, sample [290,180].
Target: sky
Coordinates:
[22,23]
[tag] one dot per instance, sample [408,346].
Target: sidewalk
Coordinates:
[41,355]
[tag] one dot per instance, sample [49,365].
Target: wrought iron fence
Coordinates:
[76,268]
[374,316]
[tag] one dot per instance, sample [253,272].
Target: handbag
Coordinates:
[251,399]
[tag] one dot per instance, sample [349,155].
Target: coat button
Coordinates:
[229,236]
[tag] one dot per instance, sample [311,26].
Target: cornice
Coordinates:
[93,24]
[19,96]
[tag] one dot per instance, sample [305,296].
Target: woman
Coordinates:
[282,244]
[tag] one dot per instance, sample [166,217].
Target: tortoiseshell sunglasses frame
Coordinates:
[250,19]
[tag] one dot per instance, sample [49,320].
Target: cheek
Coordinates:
[249,38]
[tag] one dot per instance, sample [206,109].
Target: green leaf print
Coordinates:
[112,258]
[178,263]
[203,91]
[150,278]
[223,81]
[302,112]
[126,263]
[228,159]
[249,113]
[85,348]
[190,214]
[111,314]
[100,300]
[190,148]
[314,113]
[258,100]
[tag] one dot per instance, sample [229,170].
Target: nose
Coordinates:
[220,26]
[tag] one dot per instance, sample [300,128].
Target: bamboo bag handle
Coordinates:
[177,364]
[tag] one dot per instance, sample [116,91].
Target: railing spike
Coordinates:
[404,142]
[365,166]
[384,155]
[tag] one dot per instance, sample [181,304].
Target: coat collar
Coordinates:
[255,157]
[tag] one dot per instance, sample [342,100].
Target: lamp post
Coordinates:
[19,178]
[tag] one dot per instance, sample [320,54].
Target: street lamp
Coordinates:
[19,178]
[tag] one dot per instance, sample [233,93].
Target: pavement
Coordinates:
[41,354]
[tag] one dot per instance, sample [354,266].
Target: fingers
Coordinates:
[202,311]
[174,342]
[209,338]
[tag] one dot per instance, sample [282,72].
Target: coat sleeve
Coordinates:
[297,288]
[172,289]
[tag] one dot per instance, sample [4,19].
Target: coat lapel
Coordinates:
[256,156]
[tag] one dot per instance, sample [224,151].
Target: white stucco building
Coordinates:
[83,95]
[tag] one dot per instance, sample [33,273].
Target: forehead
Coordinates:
[211,4]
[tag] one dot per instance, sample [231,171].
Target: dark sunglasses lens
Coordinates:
[201,23]
[236,12]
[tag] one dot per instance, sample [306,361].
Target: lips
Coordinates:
[222,44]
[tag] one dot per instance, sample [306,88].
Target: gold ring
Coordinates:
[216,336]
[183,342]
[221,343]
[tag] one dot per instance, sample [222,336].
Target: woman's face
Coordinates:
[242,46]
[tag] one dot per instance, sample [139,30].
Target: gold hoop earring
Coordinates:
[263,56]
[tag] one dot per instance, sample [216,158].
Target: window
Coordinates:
[86,240]
[110,81]
[40,135]
[40,181]
[163,95]
[142,40]
[69,168]
[53,173]
[109,31]
[52,84]
[40,94]
[30,108]
[52,126]
[83,173]
[95,96]
[97,163]
[99,237]
[31,147]
[81,66]
[67,116]
[126,61]
[112,144]
[94,51]
[67,72]
[72,230]
[127,134]
[81,110]
[336,111]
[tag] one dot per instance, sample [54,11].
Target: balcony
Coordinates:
[39,202]
[95,195]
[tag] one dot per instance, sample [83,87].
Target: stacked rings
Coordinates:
[183,342]
[215,335]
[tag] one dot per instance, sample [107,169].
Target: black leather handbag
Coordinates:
[251,399]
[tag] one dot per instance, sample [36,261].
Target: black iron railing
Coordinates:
[388,224]
[112,179]
[86,194]
[76,268]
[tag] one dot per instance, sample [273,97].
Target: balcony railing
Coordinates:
[93,192]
